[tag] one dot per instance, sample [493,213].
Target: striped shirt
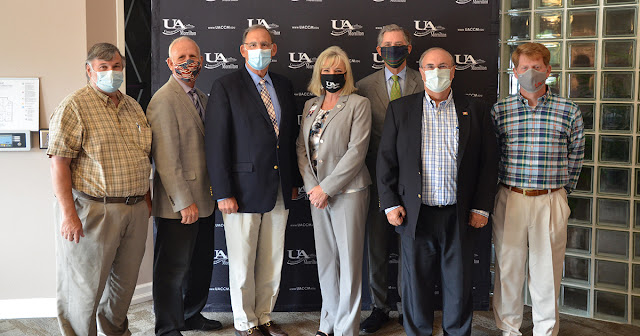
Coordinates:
[439,146]
[109,145]
[541,147]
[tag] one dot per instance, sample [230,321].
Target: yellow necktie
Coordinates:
[395,88]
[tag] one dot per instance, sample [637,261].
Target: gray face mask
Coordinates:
[532,80]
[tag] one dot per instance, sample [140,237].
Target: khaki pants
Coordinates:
[255,248]
[97,276]
[533,227]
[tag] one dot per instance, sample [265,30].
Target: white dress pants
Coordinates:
[533,227]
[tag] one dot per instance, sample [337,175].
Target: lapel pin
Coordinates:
[339,106]
[465,113]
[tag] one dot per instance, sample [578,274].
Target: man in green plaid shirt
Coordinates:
[541,140]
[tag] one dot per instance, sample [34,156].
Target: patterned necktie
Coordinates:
[266,99]
[395,88]
[196,102]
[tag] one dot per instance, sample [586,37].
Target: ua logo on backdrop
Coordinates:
[175,26]
[300,60]
[215,60]
[300,256]
[220,258]
[425,27]
[467,61]
[263,22]
[378,62]
[341,27]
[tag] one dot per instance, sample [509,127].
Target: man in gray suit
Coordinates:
[381,87]
[182,203]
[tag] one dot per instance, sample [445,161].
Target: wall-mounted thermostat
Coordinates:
[15,141]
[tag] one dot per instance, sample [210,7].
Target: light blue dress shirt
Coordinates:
[270,88]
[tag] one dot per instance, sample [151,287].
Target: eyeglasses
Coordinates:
[255,45]
[441,66]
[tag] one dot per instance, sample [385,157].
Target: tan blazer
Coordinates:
[180,177]
[343,145]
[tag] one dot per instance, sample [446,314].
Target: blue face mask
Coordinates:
[108,81]
[259,59]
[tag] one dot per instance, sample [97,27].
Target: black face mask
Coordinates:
[333,83]
[394,56]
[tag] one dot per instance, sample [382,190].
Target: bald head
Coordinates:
[182,41]
[439,52]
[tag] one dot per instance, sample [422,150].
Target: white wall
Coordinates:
[44,39]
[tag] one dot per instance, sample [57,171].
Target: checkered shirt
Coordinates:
[540,147]
[109,145]
[439,146]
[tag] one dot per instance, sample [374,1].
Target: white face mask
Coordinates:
[437,80]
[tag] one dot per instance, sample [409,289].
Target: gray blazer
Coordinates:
[375,88]
[180,177]
[343,145]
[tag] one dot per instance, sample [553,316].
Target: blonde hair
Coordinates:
[533,50]
[331,56]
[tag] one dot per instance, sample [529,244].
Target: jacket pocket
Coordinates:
[189,175]
[242,167]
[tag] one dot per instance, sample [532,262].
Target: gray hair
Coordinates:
[254,27]
[434,49]
[103,51]
[183,38]
[391,28]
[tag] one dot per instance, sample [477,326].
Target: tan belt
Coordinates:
[129,200]
[530,192]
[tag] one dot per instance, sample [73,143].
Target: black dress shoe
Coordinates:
[199,322]
[374,322]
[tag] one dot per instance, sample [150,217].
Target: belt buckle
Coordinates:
[525,191]
[131,200]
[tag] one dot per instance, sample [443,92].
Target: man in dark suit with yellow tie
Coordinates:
[251,127]
[381,87]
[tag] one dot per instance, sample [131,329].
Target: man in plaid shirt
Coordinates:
[541,141]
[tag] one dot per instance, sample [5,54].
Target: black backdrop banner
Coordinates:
[302,29]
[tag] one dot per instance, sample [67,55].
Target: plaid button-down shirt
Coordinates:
[541,147]
[439,152]
[109,145]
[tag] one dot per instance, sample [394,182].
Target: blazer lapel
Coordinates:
[464,123]
[415,130]
[411,83]
[307,122]
[342,101]
[255,96]
[186,101]
[381,89]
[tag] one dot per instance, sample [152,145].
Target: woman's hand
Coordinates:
[318,198]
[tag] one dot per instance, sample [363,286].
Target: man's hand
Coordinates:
[318,197]
[189,214]
[477,220]
[228,205]
[396,216]
[294,193]
[71,228]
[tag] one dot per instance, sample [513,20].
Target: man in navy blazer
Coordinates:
[251,127]
[437,173]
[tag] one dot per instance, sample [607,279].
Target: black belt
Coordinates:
[129,200]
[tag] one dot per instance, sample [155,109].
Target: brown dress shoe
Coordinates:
[254,331]
[272,329]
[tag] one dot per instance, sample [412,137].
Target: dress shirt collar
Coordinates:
[388,74]
[256,78]
[184,86]
[541,100]
[443,103]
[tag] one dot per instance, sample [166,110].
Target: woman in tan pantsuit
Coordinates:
[332,146]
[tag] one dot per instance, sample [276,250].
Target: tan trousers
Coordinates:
[255,248]
[97,276]
[533,227]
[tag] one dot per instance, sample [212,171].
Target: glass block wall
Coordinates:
[593,46]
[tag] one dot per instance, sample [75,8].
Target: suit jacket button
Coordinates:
[319,161]
[419,196]
[275,167]
[321,140]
